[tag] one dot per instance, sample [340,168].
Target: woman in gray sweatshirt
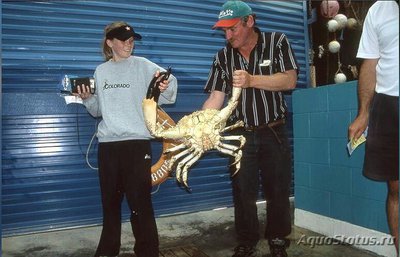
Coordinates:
[124,153]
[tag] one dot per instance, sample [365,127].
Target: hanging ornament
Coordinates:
[352,23]
[329,8]
[340,78]
[321,51]
[332,25]
[334,46]
[341,19]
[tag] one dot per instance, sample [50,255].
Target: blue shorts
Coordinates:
[381,160]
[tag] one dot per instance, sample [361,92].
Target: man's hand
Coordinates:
[241,78]
[357,127]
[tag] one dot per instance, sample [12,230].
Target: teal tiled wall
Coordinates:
[328,181]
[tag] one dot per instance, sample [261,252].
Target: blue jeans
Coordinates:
[266,157]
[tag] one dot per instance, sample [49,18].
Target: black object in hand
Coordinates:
[154,90]
[86,81]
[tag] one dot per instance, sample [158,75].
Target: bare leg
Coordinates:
[393,211]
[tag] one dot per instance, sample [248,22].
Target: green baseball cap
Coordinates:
[231,13]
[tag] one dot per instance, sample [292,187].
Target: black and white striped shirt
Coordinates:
[256,106]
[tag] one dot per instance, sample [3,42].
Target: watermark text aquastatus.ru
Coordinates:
[355,240]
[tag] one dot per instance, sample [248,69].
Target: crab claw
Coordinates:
[150,114]
[154,91]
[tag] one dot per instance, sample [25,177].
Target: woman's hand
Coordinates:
[83,92]
[163,84]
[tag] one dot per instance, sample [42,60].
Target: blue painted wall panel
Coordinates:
[46,182]
[328,181]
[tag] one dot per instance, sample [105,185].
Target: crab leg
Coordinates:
[179,155]
[183,162]
[231,127]
[196,156]
[242,139]
[228,147]
[232,103]
[175,148]
[232,151]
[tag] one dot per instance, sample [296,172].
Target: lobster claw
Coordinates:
[154,91]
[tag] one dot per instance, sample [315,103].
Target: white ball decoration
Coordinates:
[333,25]
[340,78]
[352,23]
[341,19]
[334,46]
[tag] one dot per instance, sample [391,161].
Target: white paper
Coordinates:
[69,99]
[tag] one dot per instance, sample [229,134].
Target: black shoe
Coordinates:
[277,247]
[277,251]
[244,251]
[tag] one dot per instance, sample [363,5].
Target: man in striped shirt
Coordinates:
[263,65]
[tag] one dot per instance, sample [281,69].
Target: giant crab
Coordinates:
[195,133]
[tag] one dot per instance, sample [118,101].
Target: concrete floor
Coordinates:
[210,231]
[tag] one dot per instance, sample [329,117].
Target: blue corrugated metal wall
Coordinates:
[46,183]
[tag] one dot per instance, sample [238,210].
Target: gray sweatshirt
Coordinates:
[120,89]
